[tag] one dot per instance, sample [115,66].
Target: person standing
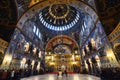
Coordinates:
[65,72]
[12,74]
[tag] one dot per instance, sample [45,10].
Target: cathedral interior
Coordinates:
[46,37]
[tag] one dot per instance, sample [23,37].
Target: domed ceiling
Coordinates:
[59,17]
[13,10]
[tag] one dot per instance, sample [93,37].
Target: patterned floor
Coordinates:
[55,77]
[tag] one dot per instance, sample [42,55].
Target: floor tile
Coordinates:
[55,77]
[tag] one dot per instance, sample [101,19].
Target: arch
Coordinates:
[85,8]
[66,40]
[116,45]
[117,48]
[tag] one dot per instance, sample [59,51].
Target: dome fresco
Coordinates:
[64,49]
[59,17]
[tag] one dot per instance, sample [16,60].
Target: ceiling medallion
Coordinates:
[59,17]
[59,11]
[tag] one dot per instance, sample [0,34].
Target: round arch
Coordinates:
[62,39]
[85,8]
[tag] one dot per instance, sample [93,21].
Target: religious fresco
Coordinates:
[20,43]
[97,41]
[10,51]
[21,47]
[60,17]
[87,26]
[22,6]
[84,8]
[61,44]
[64,49]
[32,31]
[97,35]
[15,35]
[19,40]
[98,44]
[91,3]
[28,29]
[13,42]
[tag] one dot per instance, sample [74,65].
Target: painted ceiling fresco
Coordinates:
[11,10]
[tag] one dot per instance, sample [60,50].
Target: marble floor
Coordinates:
[55,77]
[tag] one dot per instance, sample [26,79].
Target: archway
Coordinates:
[62,51]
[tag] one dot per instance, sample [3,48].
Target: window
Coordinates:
[50,26]
[44,23]
[83,28]
[81,32]
[34,28]
[72,24]
[39,35]
[67,26]
[75,20]
[58,24]
[63,28]
[37,32]
[84,24]
[57,28]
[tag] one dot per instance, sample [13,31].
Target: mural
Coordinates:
[61,44]
[28,29]
[21,47]
[91,3]
[32,31]
[98,34]
[98,44]
[87,26]
[64,49]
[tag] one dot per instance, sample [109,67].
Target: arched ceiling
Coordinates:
[61,44]
[35,9]
[12,11]
[78,8]
[59,17]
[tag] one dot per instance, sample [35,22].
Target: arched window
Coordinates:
[34,28]
[37,32]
